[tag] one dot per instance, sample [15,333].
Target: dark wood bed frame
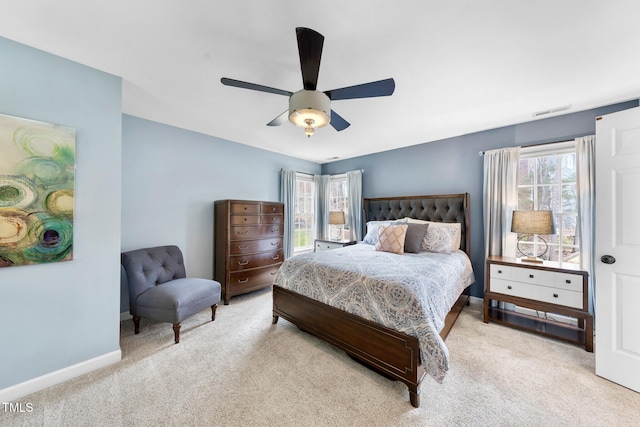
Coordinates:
[391,353]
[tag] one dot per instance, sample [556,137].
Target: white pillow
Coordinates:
[371,238]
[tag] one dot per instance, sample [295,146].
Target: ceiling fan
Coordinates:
[309,108]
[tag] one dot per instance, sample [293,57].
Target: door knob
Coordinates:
[607,259]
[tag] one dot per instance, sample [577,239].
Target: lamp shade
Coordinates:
[336,217]
[533,222]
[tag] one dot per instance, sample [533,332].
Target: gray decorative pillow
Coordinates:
[414,237]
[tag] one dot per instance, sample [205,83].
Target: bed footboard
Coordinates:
[393,353]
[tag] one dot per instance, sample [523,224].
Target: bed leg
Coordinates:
[414,396]
[275,319]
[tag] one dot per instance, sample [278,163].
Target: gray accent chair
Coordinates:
[159,289]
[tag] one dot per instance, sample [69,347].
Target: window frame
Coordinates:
[300,211]
[556,243]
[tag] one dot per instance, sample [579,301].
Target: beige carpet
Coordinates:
[243,371]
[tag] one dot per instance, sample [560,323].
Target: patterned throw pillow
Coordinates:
[391,238]
[442,238]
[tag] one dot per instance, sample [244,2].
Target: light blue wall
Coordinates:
[454,166]
[58,315]
[172,176]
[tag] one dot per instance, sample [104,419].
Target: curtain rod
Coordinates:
[307,173]
[481,153]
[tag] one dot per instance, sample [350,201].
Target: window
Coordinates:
[547,181]
[304,214]
[339,201]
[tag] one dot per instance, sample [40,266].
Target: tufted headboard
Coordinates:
[437,208]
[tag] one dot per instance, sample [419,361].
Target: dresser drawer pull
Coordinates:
[273,273]
[245,280]
[275,257]
[531,276]
[275,230]
[243,262]
[273,208]
[274,243]
[555,295]
[243,232]
[243,247]
[509,287]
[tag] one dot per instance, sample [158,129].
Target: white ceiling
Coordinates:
[459,66]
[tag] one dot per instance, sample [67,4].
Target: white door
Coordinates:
[617,266]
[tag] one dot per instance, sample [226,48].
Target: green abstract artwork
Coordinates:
[37,168]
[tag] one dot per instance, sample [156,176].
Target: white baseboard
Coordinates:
[125,316]
[475,301]
[17,391]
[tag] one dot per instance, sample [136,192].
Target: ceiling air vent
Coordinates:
[551,111]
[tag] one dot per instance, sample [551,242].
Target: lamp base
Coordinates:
[532,259]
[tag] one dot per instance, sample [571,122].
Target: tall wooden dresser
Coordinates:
[248,245]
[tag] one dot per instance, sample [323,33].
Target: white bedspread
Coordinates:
[411,293]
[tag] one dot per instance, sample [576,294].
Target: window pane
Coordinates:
[525,198]
[548,198]
[547,172]
[569,198]
[526,171]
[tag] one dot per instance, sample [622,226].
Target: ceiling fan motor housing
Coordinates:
[309,108]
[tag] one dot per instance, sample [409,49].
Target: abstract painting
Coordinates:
[37,168]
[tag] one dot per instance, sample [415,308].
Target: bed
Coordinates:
[390,312]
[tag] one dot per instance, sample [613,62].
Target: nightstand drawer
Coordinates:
[536,277]
[557,296]
[571,282]
[500,271]
[325,246]
[507,287]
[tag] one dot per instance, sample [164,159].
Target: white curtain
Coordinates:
[354,188]
[287,196]
[500,197]
[585,180]
[322,184]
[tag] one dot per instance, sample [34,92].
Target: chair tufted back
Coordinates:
[146,268]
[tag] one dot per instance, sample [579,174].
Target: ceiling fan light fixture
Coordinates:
[310,110]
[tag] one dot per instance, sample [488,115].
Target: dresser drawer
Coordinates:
[272,219]
[248,279]
[248,208]
[244,219]
[570,282]
[507,287]
[253,246]
[537,277]
[244,262]
[268,208]
[557,296]
[238,233]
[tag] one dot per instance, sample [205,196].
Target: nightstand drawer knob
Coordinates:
[555,295]
[531,276]
[499,271]
[568,281]
[509,287]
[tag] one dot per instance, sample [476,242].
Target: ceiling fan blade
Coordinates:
[338,122]
[365,90]
[310,44]
[252,86]
[282,118]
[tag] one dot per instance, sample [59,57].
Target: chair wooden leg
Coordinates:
[176,332]
[213,312]
[136,324]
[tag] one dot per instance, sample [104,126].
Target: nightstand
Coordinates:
[325,245]
[551,287]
